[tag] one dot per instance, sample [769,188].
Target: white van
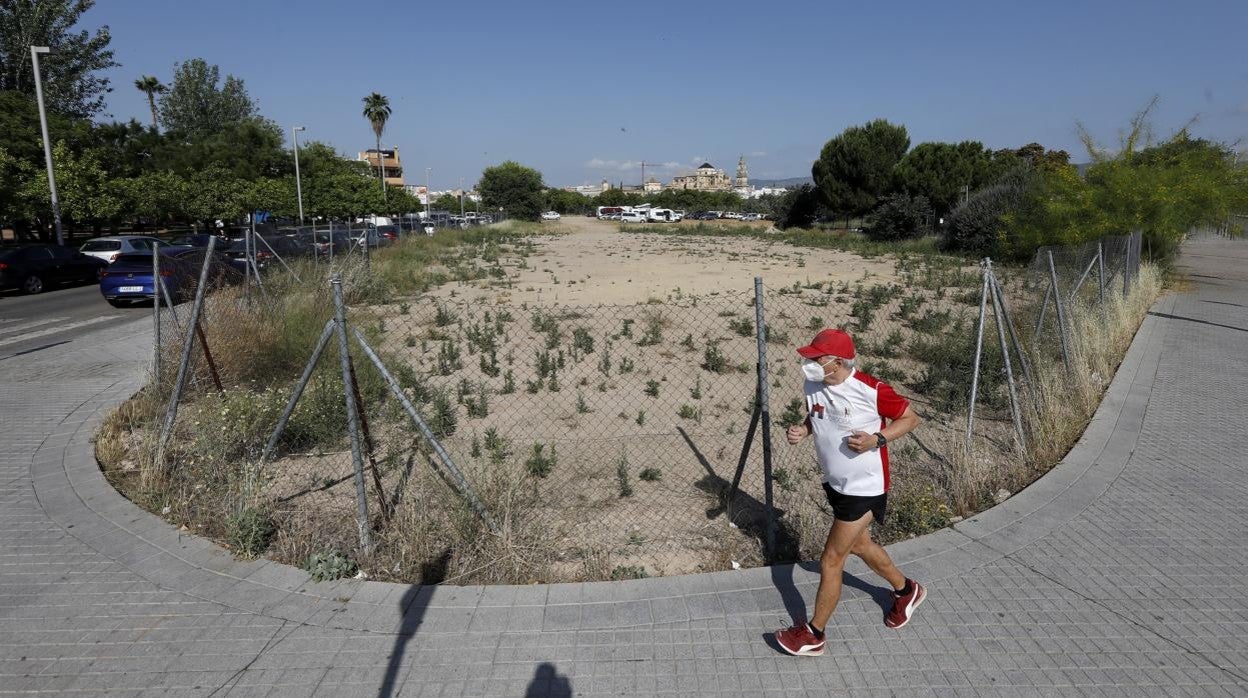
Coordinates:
[663,215]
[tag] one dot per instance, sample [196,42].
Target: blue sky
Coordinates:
[586,90]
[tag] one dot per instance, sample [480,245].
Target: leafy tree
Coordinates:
[71,85]
[446,202]
[855,168]
[84,190]
[151,87]
[377,111]
[940,171]
[249,149]
[1039,157]
[196,107]
[900,216]
[513,187]
[798,208]
[564,201]
[159,196]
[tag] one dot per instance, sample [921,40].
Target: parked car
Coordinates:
[130,280]
[321,242]
[374,238]
[110,247]
[632,217]
[389,232]
[550,216]
[751,217]
[197,240]
[33,268]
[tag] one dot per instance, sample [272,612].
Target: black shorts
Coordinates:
[848,507]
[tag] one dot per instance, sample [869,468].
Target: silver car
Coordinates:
[110,247]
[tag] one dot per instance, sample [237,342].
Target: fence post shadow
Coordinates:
[412,610]
[547,682]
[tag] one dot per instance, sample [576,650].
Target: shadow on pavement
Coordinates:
[412,612]
[548,683]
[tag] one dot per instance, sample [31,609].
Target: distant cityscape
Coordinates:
[706,177]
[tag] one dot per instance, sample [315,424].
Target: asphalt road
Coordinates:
[56,317]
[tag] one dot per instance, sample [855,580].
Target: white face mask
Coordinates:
[813,370]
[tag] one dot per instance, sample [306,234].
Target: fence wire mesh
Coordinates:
[602,440]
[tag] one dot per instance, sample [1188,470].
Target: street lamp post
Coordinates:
[462,222]
[47,145]
[294,137]
[427,169]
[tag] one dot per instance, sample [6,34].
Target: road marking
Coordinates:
[54,330]
[7,329]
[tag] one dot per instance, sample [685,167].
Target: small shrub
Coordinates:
[641,418]
[713,359]
[742,326]
[815,324]
[509,383]
[249,532]
[581,406]
[650,475]
[626,365]
[687,343]
[864,313]
[444,417]
[652,388]
[582,341]
[792,415]
[628,572]
[654,330]
[329,565]
[443,316]
[622,478]
[539,463]
[696,391]
[690,412]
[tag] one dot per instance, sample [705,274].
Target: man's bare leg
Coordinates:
[878,560]
[841,540]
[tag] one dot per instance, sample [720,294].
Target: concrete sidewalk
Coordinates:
[1121,571]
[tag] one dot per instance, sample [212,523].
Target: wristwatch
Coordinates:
[880,440]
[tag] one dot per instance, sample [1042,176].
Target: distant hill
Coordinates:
[785,183]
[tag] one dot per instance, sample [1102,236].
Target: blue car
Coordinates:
[129,279]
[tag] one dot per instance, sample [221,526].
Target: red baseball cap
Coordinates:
[829,343]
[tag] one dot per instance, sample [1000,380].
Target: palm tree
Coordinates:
[151,86]
[377,111]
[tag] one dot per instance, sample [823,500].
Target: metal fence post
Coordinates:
[1061,314]
[979,351]
[156,315]
[760,320]
[396,390]
[321,343]
[353,421]
[1009,325]
[188,344]
[999,316]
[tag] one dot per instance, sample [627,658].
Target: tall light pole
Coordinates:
[427,169]
[47,145]
[462,222]
[294,137]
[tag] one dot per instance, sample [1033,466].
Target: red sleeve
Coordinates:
[888,403]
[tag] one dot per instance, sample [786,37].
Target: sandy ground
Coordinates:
[593,262]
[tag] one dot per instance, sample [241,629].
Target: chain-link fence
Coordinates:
[511,442]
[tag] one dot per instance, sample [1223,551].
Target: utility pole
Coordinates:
[294,137]
[47,145]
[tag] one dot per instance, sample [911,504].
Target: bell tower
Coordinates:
[743,175]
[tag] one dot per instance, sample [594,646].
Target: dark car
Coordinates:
[129,279]
[321,242]
[263,250]
[197,240]
[33,268]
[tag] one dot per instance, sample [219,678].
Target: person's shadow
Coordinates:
[548,683]
[795,604]
[413,612]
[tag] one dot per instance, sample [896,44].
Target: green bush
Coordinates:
[248,532]
[329,565]
[900,216]
[978,225]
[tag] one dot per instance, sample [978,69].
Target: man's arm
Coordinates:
[861,441]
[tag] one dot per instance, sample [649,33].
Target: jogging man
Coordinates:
[852,417]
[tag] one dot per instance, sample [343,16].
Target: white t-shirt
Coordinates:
[860,403]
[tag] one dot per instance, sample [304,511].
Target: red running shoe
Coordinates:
[903,606]
[799,641]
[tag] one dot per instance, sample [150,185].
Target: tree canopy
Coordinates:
[517,189]
[196,106]
[71,83]
[855,168]
[942,171]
